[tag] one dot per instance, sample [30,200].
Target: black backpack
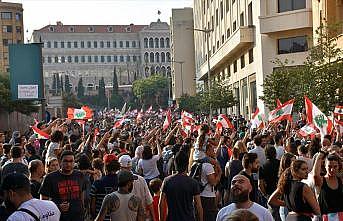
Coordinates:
[195,173]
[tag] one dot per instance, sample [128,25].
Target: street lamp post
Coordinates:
[207,32]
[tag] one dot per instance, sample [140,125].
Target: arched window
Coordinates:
[167,43]
[168,57]
[157,57]
[163,57]
[168,70]
[146,42]
[163,70]
[146,57]
[152,70]
[69,59]
[151,43]
[146,71]
[162,42]
[158,70]
[157,41]
[152,56]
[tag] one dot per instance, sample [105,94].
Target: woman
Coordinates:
[51,165]
[298,197]
[240,145]
[147,166]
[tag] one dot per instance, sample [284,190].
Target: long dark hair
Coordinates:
[285,162]
[288,175]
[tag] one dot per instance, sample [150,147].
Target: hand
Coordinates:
[64,207]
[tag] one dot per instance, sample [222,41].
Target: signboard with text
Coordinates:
[26,73]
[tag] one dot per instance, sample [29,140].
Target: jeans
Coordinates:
[283,213]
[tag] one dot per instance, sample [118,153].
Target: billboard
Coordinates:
[26,71]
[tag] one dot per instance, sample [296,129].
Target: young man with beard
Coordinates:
[251,165]
[122,205]
[240,190]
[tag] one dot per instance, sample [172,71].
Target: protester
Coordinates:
[15,164]
[36,169]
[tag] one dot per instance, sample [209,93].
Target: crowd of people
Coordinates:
[140,170]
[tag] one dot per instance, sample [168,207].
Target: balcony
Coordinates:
[285,21]
[241,38]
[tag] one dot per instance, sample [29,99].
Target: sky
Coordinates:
[39,13]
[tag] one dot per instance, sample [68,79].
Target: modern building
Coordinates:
[182,52]
[247,36]
[94,51]
[12,30]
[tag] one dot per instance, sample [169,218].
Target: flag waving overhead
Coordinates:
[307,130]
[167,121]
[284,112]
[257,120]
[224,121]
[185,116]
[80,114]
[338,111]
[317,118]
[39,133]
[119,123]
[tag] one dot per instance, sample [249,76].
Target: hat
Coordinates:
[15,181]
[108,158]
[125,176]
[125,161]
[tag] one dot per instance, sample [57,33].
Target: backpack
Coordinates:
[195,173]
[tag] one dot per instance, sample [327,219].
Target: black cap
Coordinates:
[15,181]
[125,176]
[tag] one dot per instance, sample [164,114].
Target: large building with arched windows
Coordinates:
[95,51]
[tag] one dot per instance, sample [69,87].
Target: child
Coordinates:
[155,187]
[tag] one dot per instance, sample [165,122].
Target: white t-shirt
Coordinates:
[262,213]
[149,167]
[45,210]
[51,148]
[279,152]
[141,189]
[206,170]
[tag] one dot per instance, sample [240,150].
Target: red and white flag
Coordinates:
[119,122]
[339,124]
[257,119]
[80,114]
[307,130]
[278,103]
[185,116]
[338,111]
[223,122]
[39,133]
[317,118]
[186,129]
[167,121]
[284,112]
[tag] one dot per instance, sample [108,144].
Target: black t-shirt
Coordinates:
[269,173]
[180,190]
[35,186]
[66,188]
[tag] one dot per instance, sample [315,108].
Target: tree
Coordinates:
[101,93]
[115,82]
[190,103]
[67,87]
[320,78]
[80,89]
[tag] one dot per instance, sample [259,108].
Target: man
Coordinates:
[122,204]
[15,164]
[240,190]
[251,165]
[36,169]
[66,187]
[106,185]
[140,187]
[178,193]
[278,140]
[17,192]
[258,149]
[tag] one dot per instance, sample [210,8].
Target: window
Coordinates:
[90,29]
[108,58]
[114,44]
[102,59]
[49,60]
[96,59]
[108,44]
[223,39]
[83,59]
[71,29]
[212,22]
[241,20]
[168,56]
[251,56]
[89,59]
[234,26]
[101,44]
[48,44]
[162,42]
[121,44]
[18,29]
[151,43]
[229,71]
[146,57]
[5,42]
[76,59]
[62,44]
[89,44]
[63,59]
[157,41]
[217,17]
[167,43]
[218,44]
[292,45]
[221,10]
[146,42]
[115,58]
[121,58]
[233,1]
[69,59]
[157,57]
[127,44]
[134,58]
[152,57]
[6,15]
[51,29]
[235,66]
[250,19]
[95,44]
[7,28]
[68,44]
[163,57]
[228,33]
[56,59]
[128,58]
[133,44]
[17,16]
[75,44]
[55,44]
[242,61]
[290,5]
[110,29]
[82,44]
[227,5]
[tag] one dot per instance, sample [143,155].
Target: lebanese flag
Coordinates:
[340,125]
[307,130]
[185,116]
[257,119]
[278,103]
[80,114]
[119,123]
[338,111]
[284,112]
[167,121]
[39,133]
[223,122]
[317,118]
